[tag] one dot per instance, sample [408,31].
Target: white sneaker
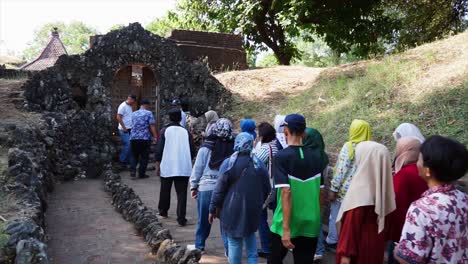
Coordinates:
[318,257]
[191,247]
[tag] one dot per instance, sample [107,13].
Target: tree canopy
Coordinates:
[360,27]
[75,37]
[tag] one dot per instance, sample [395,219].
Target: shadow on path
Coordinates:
[83,227]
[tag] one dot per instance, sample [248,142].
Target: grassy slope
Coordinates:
[427,86]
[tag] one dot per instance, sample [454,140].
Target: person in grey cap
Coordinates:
[124,117]
[143,131]
[177,104]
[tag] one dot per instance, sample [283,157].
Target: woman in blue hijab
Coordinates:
[248,125]
[241,190]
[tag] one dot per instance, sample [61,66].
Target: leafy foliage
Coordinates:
[423,21]
[75,37]
[355,27]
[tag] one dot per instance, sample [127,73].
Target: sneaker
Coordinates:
[133,174]
[262,254]
[182,222]
[163,215]
[318,257]
[330,247]
[143,177]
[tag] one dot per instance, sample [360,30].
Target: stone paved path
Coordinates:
[83,227]
[148,190]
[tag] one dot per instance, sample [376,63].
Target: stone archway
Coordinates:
[137,79]
[82,86]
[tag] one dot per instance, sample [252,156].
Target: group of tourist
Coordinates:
[407,201]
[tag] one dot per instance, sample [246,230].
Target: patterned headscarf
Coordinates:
[223,128]
[223,143]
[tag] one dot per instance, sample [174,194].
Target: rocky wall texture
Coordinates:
[65,134]
[129,204]
[87,78]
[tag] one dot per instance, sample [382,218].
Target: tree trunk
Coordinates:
[283,59]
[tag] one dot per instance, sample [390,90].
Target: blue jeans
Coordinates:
[320,245]
[203,226]
[264,232]
[332,237]
[235,249]
[126,153]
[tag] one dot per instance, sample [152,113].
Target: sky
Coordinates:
[19,18]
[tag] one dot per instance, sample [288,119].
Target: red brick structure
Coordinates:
[220,51]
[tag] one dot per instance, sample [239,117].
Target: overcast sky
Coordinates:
[19,18]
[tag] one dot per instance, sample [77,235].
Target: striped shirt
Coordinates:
[263,153]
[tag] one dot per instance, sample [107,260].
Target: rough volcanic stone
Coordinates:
[31,251]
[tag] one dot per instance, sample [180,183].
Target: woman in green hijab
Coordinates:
[313,139]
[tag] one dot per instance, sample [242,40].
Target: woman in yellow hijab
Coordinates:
[359,131]
[345,167]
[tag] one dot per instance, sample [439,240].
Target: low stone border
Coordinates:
[129,204]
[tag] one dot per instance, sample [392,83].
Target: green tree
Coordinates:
[75,37]
[424,21]
[274,24]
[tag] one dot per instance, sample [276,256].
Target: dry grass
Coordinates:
[427,85]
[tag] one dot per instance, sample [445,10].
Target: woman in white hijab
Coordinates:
[368,202]
[408,130]
[279,120]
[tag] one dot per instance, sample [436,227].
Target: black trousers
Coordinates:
[140,150]
[303,252]
[181,184]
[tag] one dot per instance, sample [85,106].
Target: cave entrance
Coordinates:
[137,79]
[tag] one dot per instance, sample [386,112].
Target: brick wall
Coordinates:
[221,51]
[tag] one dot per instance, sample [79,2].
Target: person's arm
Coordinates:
[159,150]
[286,204]
[217,198]
[197,171]
[120,120]
[120,112]
[192,146]
[343,165]
[264,153]
[281,179]
[152,123]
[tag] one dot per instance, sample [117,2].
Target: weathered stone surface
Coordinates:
[146,221]
[86,80]
[69,135]
[31,251]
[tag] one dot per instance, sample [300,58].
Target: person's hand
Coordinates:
[158,170]
[395,247]
[194,194]
[332,196]
[345,260]
[211,218]
[286,239]
[124,129]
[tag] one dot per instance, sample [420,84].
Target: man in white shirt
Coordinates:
[177,104]
[174,154]
[124,117]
